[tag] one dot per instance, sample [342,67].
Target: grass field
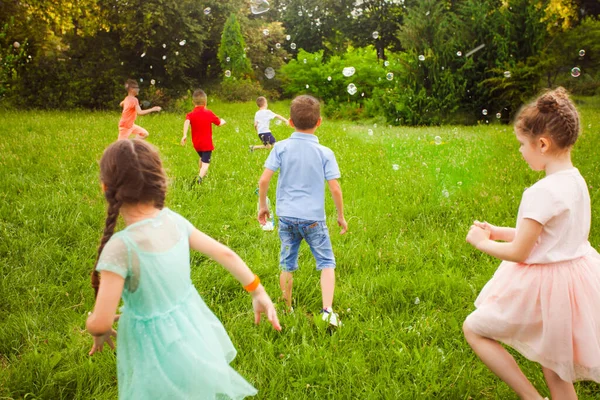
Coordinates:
[406,242]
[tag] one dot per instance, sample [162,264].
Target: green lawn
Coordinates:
[406,241]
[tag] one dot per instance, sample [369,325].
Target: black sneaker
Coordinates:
[199,180]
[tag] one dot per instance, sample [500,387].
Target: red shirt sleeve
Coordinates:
[215,120]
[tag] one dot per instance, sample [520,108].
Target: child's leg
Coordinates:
[559,389]
[203,163]
[317,237]
[327,287]
[203,169]
[501,363]
[288,258]
[286,283]
[124,133]
[140,132]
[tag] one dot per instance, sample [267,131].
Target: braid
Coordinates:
[109,228]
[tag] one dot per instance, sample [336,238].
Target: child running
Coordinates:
[171,346]
[543,299]
[304,165]
[262,122]
[201,120]
[131,109]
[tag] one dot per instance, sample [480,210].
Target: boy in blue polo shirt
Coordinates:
[304,167]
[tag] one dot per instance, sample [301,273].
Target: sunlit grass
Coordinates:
[406,241]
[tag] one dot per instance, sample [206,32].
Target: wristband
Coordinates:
[253,285]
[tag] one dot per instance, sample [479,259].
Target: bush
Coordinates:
[241,90]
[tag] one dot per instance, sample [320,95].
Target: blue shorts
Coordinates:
[267,138]
[291,233]
[205,156]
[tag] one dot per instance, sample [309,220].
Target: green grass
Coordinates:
[406,240]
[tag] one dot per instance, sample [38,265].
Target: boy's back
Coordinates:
[201,120]
[304,166]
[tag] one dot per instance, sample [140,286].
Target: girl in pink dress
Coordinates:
[544,299]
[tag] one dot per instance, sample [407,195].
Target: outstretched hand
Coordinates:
[183,140]
[261,302]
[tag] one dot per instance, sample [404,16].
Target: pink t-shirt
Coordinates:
[561,203]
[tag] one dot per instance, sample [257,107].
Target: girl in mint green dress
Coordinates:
[171,346]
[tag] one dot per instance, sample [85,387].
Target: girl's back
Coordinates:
[155,254]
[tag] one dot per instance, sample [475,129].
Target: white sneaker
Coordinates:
[268,226]
[331,317]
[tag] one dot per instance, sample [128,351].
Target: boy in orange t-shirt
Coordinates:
[131,109]
[201,120]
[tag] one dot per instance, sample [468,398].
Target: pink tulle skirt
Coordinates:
[550,313]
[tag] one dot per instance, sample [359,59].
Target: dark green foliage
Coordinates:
[232,53]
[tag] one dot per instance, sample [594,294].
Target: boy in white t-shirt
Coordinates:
[262,121]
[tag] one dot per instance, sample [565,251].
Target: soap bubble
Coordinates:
[389,76]
[152,82]
[417,301]
[228,59]
[581,52]
[141,79]
[498,115]
[277,45]
[507,74]
[395,167]
[370,132]
[207,11]
[352,89]
[575,72]
[237,129]
[386,64]
[459,53]
[329,78]
[293,46]
[270,73]
[484,111]
[16,45]
[259,6]
[348,71]
[287,37]
[164,46]
[375,35]
[299,13]
[459,183]
[445,193]
[266,32]
[176,53]
[421,57]
[164,57]
[143,55]
[437,140]
[182,43]
[228,73]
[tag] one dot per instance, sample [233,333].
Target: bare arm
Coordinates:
[516,250]
[101,319]
[281,118]
[186,127]
[237,267]
[255,125]
[505,234]
[263,188]
[336,193]
[139,110]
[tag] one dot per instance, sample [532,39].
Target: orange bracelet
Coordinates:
[253,285]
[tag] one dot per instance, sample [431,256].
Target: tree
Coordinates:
[232,50]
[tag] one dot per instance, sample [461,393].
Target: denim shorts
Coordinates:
[316,234]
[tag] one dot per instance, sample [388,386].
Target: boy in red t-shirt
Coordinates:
[201,120]
[131,109]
